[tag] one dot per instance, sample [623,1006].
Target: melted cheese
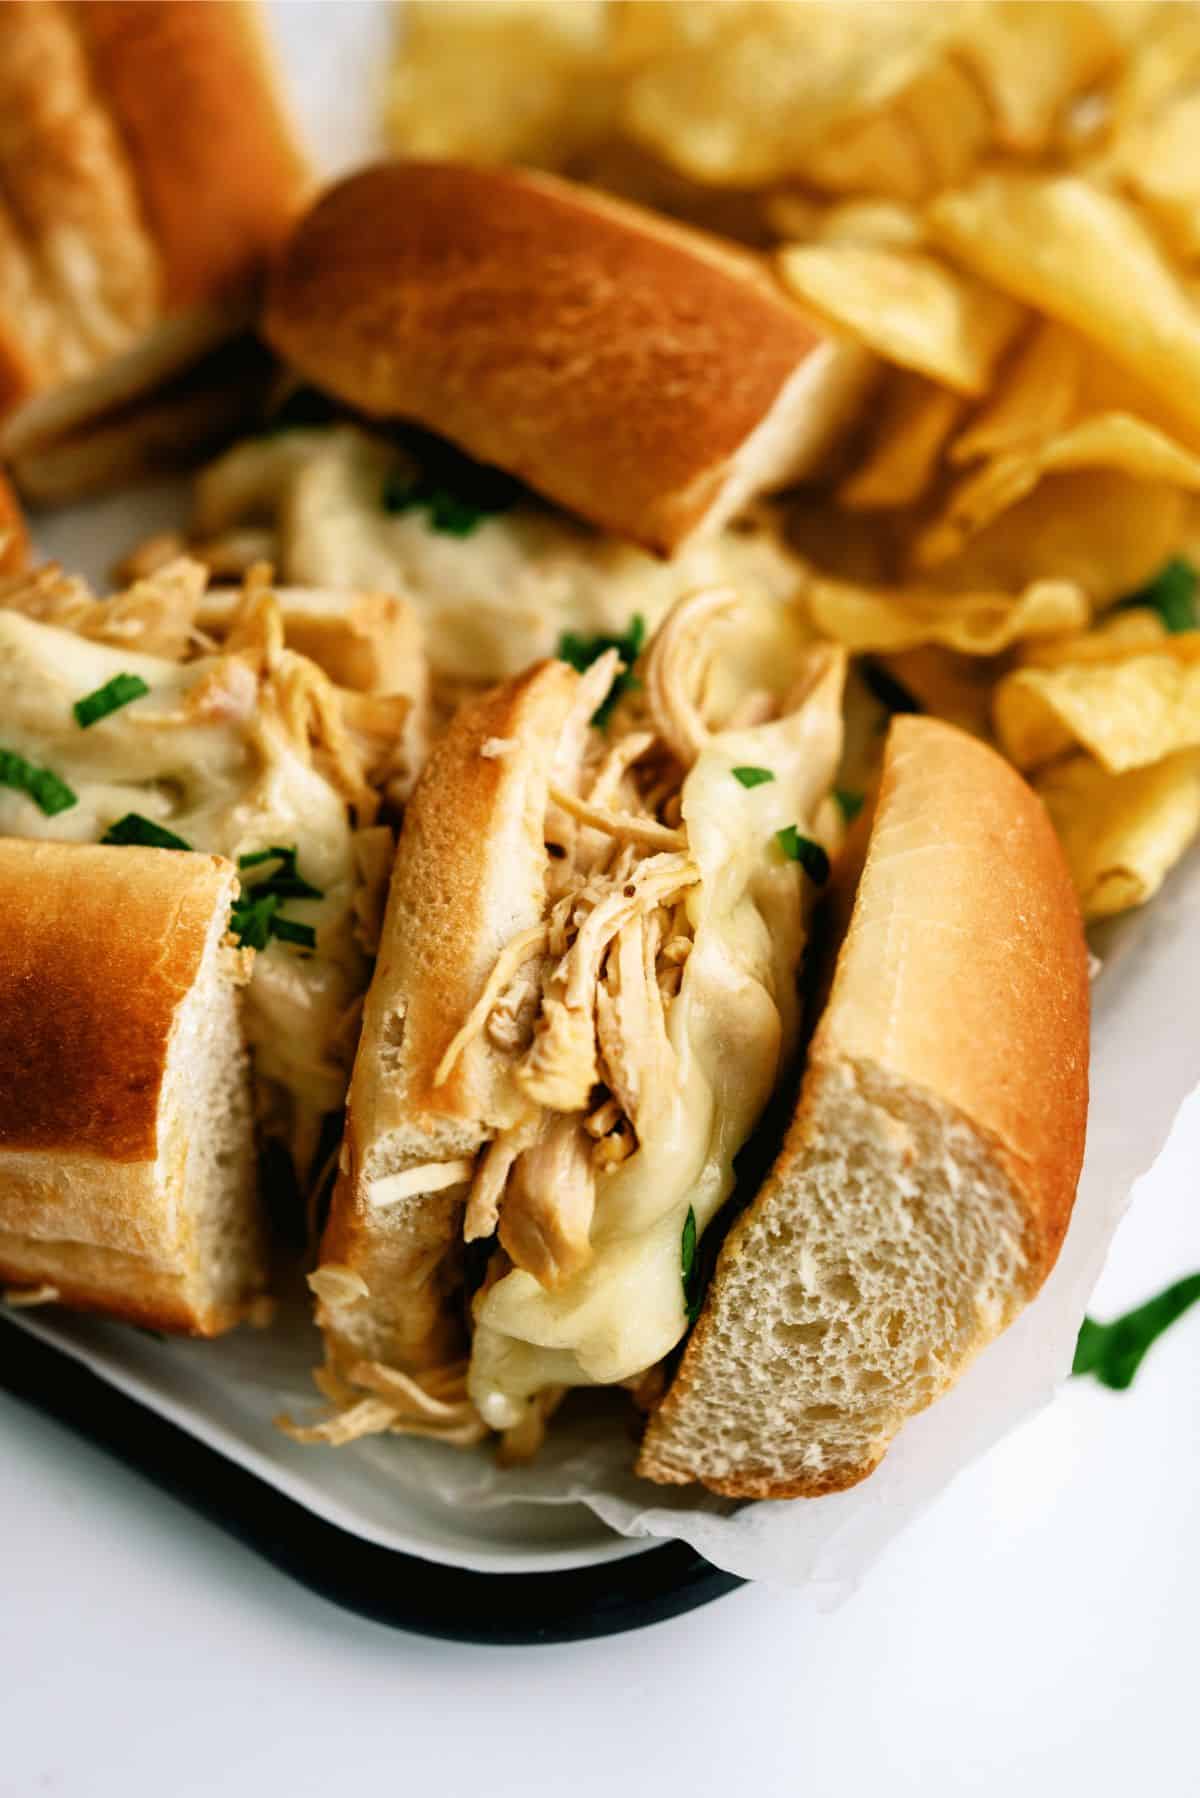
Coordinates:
[221,787]
[733,1026]
[491,602]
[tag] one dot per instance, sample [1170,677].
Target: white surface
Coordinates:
[1035,1629]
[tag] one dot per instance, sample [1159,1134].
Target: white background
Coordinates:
[1036,1629]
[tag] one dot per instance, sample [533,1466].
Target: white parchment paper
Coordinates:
[460,1508]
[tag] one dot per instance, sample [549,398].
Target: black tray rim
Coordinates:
[384,1585]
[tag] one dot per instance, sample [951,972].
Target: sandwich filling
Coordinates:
[496,576]
[240,752]
[643,1023]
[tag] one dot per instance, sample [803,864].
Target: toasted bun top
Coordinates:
[99,948]
[964,969]
[614,360]
[146,168]
[193,95]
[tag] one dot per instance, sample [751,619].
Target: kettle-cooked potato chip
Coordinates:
[1122,634]
[893,618]
[1103,531]
[908,307]
[1126,714]
[1122,833]
[1110,440]
[500,80]
[1082,255]
[1034,396]
[1031,57]
[769,83]
[915,419]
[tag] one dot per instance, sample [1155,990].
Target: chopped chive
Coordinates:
[688,1268]
[141,832]
[752,777]
[850,803]
[1172,594]
[50,794]
[810,855]
[114,694]
[581,652]
[1113,1352]
[288,931]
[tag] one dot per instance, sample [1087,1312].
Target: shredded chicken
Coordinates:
[433,1404]
[674,667]
[491,1176]
[646,831]
[546,1215]
[157,615]
[522,948]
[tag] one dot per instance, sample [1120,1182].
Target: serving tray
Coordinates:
[404,1591]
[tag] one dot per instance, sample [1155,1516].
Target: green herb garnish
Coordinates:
[850,803]
[255,918]
[1112,1353]
[285,883]
[50,794]
[688,1267]
[1172,594]
[109,698]
[581,652]
[810,855]
[886,688]
[454,514]
[141,832]
[288,931]
[752,777]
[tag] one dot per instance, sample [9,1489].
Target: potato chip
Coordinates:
[908,307]
[500,80]
[1126,714]
[915,418]
[868,618]
[762,86]
[1035,395]
[1115,639]
[1156,128]
[1083,256]
[1111,440]
[947,684]
[1031,57]
[1104,532]
[1122,833]
[951,121]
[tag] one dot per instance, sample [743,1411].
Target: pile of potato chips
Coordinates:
[1001,198]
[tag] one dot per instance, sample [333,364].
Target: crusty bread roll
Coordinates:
[146,173]
[644,375]
[127,1163]
[469,874]
[926,1183]
[14,540]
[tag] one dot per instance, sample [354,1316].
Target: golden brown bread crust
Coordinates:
[613,360]
[14,539]
[981,998]
[192,94]
[470,874]
[85,1010]
[111,1281]
[146,171]
[962,981]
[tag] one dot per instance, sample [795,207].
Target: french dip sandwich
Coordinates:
[147,174]
[585,998]
[538,343]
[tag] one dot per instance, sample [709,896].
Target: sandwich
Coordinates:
[127,1160]
[148,173]
[534,410]
[124,723]
[586,1000]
